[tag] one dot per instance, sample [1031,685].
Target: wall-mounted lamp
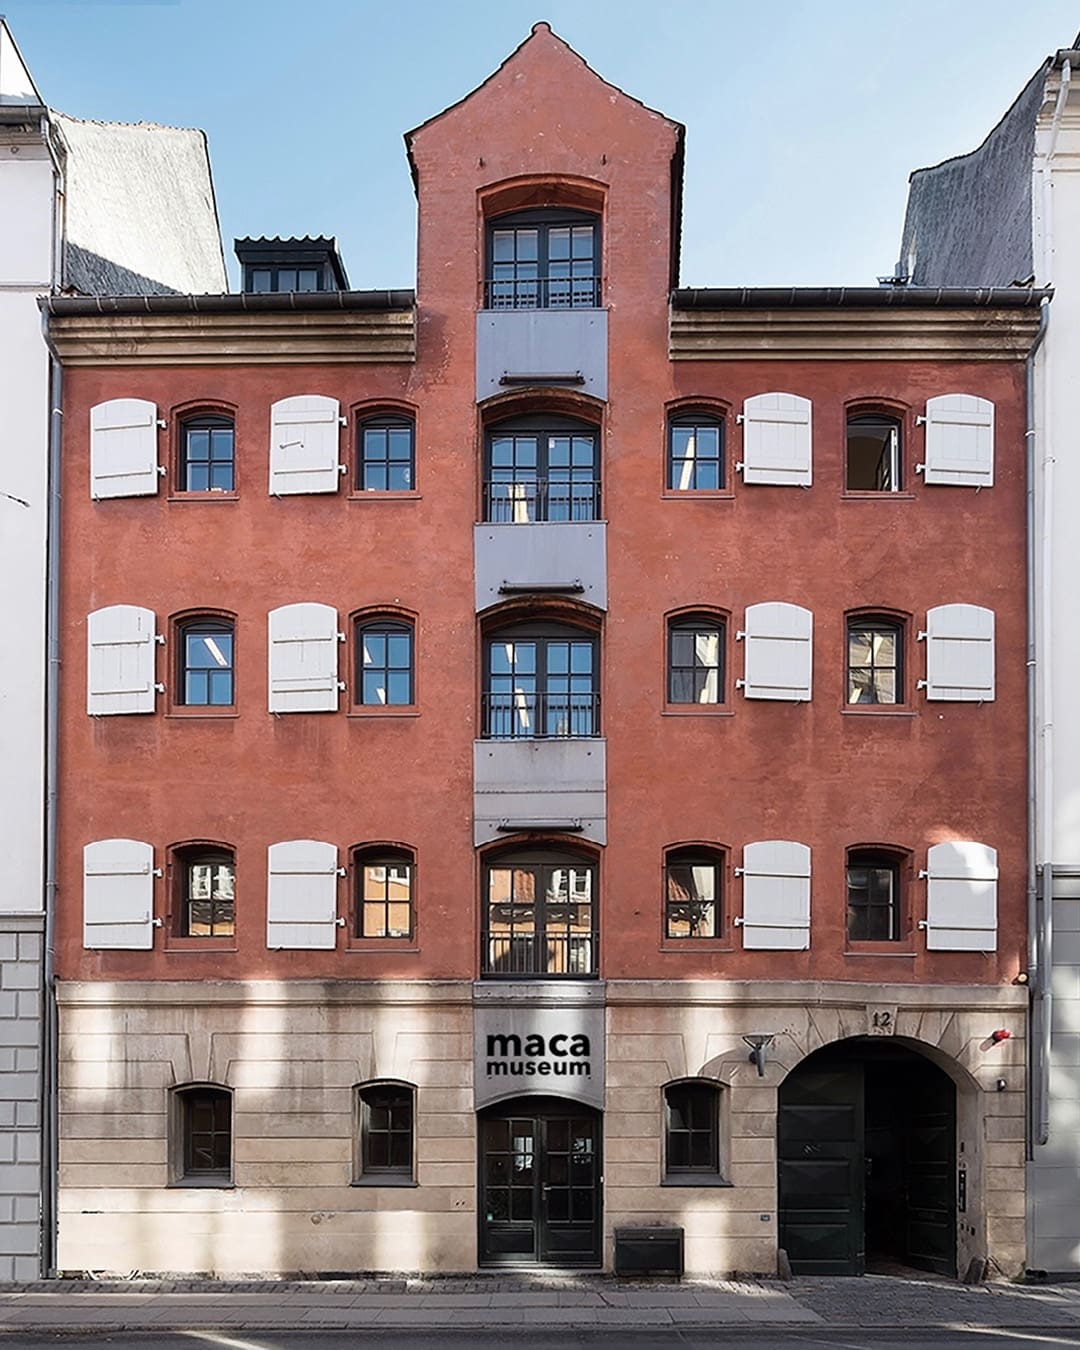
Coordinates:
[758,1045]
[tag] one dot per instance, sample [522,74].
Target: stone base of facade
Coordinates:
[294,1055]
[21,943]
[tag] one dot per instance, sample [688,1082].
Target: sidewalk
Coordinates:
[518,1302]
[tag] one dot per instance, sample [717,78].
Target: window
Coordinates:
[875,661]
[384,893]
[542,469]
[207,454]
[691,1130]
[695,660]
[540,916]
[547,259]
[205,1121]
[206,664]
[384,676]
[387,454]
[695,452]
[206,891]
[540,681]
[873,890]
[386,1132]
[692,894]
[873,453]
[263,279]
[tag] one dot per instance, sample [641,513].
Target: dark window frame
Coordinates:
[383,626]
[517,292]
[386,856]
[875,623]
[538,950]
[206,626]
[276,270]
[384,421]
[702,1099]
[882,420]
[698,623]
[204,1156]
[502,710]
[693,855]
[185,857]
[379,1140]
[878,859]
[210,422]
[697,418]
[538,496]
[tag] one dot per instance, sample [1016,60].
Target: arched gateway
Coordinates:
[866,1154]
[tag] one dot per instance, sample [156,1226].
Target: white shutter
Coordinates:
[301,894]
[776,895]
[118,895]
[959,653]
[776,440]
[959,441]
[120,645]
[779,652]
[304,659]
[304,435]
[961,897]
[124,449]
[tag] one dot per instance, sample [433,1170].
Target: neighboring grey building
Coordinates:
[93,208]
[1009,213]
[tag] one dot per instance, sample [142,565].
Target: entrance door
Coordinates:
[540,1185]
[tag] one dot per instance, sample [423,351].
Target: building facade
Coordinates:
[58,231]
[1007,214]
[546,759]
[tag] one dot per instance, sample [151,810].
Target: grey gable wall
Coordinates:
[968,220]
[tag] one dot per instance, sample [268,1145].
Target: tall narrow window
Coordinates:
[873,453]
[542,469]
[386,1132]
[206,878]
[207,455]
[541,681]
[875,661]
[873,890]
[540,916]
[692,893]
[695,452]
[695,660]
[387,454]
[205,1121]
[385,892]
[544,259]
[206,663]
[692,1129]
[385,657]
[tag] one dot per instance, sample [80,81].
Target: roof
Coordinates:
[264,302]
[861,297]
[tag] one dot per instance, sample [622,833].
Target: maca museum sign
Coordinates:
[548,1051]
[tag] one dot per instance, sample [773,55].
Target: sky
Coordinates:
[804,117]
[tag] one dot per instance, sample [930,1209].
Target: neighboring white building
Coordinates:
[92,208]
[1009,213]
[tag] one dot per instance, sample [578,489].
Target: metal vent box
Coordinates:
[649,1251]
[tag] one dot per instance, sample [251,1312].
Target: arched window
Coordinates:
[695,648]
[385,674]
[875,659]
[203,1135]
[541,467]
[384,891]
[205,677]
[387,1124]
[543,259]
[206,462]
[539,915]
[873,453]
[541,680]
[691,1130]
[692,892]
[874,895]
[204,880]
[386,453]
[695,451]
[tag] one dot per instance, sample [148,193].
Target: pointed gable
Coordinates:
[17,88]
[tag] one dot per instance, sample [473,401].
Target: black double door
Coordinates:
[867,1164]
[540,1185]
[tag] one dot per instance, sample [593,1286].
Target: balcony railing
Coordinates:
[540,499]
[526,716]
[568,954]
[543,293]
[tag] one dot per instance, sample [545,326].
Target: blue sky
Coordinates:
[804,117]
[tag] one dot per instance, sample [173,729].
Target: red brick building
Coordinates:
[553,675]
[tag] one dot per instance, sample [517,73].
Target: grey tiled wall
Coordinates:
[20,1096]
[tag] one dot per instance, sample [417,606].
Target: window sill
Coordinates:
[698,1179]
[387,1180]
[203,1184]
[886,949]
[367,946]
[852,496]
[203,497]
[402,710]
[201,712]
[199,944]
[697,945]
[697,495]
[879,710]
[379,496]
[696,710]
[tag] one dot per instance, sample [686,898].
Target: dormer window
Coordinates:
[290,266]
[547,259]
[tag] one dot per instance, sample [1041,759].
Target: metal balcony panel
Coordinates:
[521,342]
[510,557]
[536,781]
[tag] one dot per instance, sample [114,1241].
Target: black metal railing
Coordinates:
[541,499]
[529,716]
[567,954]
[543,293]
